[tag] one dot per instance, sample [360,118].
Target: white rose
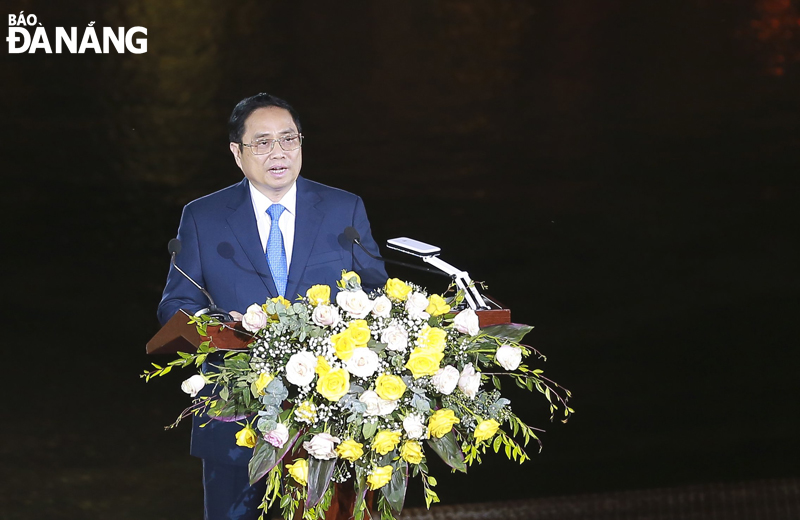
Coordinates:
[363,362]
[508,357]
[325,316]
[278,436]
[446,379]
[414,427]
[321,446]
[376,405]
[416,305]
[300,368]
[470,381]
[395,337]
[382,307]
[355,303]
[466,322]
[254,319]
[193,385]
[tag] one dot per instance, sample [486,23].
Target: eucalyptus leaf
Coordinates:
[420,403]
[508,331]
[448,449]
[319,477]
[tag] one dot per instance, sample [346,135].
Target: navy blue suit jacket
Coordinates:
[221,250]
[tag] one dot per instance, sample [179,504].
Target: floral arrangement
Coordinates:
[368,387]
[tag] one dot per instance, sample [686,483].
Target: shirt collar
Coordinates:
[261,202]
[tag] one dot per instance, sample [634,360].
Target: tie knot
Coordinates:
[275,211]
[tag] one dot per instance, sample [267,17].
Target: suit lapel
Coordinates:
[243,226]
[306,226]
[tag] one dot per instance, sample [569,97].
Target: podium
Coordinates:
[178,335]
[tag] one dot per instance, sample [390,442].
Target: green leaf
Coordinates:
[319,477]
[448,449]
[369,429]
[395,489]
[266,456]
[509,331]
[497,442]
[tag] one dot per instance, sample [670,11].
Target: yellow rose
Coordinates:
[379,477]
[261,383]
[385,441]
[322,366]
[350,450]
[396,289]
[389,387]
[437,306]
[346,275]
[411,452]
[441,422]
[343,344]
[319,295]
[279,299]
[299,471]
[486,429]
[334,384]
[423,362]
[359,331]
[433,338]
[246,437]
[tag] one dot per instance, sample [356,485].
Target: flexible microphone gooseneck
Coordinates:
[174,247]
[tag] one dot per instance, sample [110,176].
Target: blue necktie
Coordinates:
[276,253]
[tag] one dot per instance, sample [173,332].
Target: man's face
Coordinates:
[273,173]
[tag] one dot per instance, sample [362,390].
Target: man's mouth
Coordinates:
[278,169]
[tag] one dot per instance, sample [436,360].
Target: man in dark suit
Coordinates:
[272,234]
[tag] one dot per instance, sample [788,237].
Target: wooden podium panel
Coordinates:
[177,335]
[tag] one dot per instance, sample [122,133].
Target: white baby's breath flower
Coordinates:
[254,319]
[446,379]
[382,307]
[395,337]
[300,368]
[416,305]
[325,316]
[321,446]
[470,381]
[363,362]
[508,357]
[356,303]
[193,385]
[466,322]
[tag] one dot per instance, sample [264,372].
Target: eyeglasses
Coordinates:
[265,146]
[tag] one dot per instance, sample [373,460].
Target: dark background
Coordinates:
[622,174]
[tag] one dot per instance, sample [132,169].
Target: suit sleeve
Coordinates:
[372,272]
[180,293]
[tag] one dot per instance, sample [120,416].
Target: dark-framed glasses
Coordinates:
[264,146]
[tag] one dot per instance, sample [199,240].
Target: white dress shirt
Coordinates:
[286,221]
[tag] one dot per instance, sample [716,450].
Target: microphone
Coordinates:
[174,247]
[354,237]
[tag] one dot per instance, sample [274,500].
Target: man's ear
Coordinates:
[237,154]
